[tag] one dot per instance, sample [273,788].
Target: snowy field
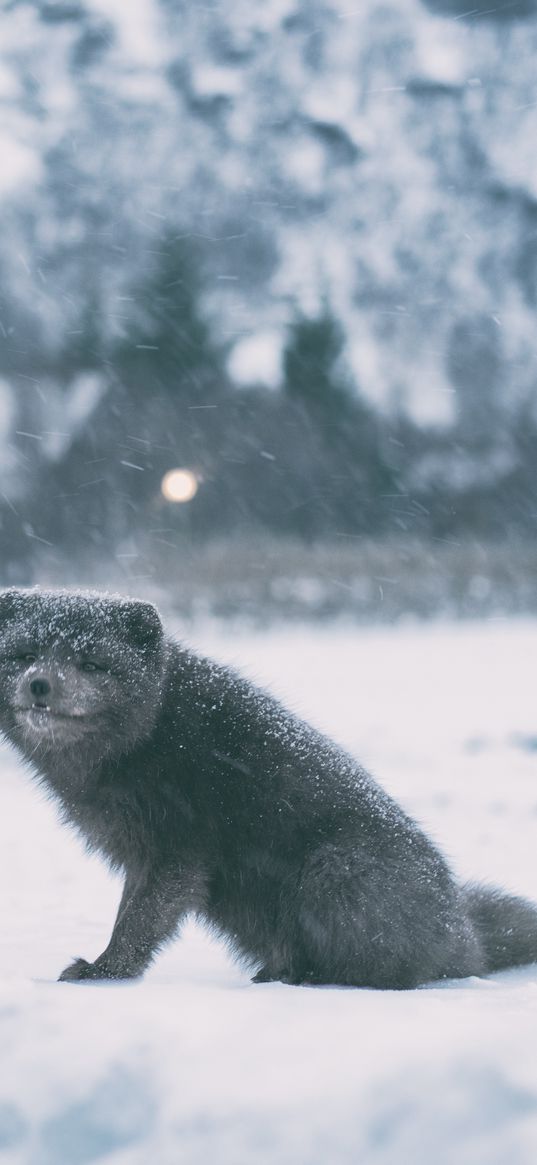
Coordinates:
[196,1066]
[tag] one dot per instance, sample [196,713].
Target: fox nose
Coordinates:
[40,687]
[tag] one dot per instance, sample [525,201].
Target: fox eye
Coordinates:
[27,657]
[89,665]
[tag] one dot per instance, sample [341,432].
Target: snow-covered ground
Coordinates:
[196,1066]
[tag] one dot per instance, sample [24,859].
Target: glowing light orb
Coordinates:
[179,485]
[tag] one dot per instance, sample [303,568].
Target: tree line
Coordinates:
[313,460]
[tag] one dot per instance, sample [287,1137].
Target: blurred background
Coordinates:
[268,284]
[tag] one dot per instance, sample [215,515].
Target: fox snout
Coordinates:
[45,687]
[40,688]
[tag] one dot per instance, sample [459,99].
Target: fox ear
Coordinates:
[142,623]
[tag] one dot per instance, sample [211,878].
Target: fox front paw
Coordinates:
[284,975]
[265,976]
[80,971]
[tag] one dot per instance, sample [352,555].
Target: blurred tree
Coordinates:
[168,344]
[312,366]
[347,469]
[475,367]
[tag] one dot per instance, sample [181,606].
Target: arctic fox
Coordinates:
[212,799]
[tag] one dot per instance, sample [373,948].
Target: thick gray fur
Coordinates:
[211,798]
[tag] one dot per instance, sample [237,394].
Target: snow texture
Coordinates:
[196,1065]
